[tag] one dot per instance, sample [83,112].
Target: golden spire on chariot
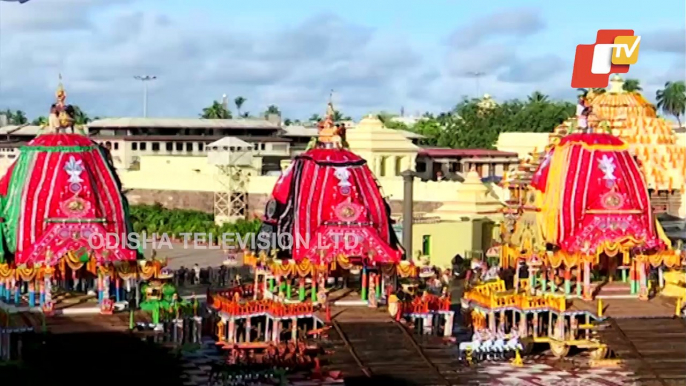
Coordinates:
[330,134]
[61,115]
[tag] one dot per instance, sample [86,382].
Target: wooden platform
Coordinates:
[654,349]
[658,307]
[66,324]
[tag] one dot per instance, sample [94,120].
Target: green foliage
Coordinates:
[158,219]
[16,117]
[239,101]
[632,85]
[672,99]
[272,109]
[470,126]
[216,111]
[40,121]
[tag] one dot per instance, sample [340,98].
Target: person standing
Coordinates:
[196,274]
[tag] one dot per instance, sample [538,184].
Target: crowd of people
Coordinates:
[275,361]
[221,276]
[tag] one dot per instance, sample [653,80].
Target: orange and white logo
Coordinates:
[613,52]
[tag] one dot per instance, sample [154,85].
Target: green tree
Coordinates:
[239,101]
[632,85]
[245,114]
[17,117]
[315,118]
[272,109]
[80,118]
[338,116]
[537,97]
[287,122]
[469,126]
[40,121]
[672,99]
[216,111]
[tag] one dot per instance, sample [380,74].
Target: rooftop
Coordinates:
[185,138]
[182,123]
[445,152]
[305,131]
[26,130]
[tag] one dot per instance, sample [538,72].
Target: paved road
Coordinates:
[187,255]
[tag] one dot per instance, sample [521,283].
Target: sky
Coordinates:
[376,55]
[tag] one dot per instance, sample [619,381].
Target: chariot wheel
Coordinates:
[559,349]
[599,353]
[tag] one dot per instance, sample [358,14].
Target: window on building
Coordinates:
[189,146]
[134,145]
[169,146]
[398,165]
[201,146]
[263,146]
[382,170]
[179,146]
[421,167]
[426,245]
[144,146]
[155,146]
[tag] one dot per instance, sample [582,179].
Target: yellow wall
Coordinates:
[522,143]
[195,174]
[448,238]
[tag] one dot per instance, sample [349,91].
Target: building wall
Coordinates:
[522,143]
[184,174]
[204,201]
[448,238]
[128,154]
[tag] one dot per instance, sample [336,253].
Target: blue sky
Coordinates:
[376,55]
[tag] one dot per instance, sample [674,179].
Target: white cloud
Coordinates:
[294,68]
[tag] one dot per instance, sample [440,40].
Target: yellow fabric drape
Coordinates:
[555,186]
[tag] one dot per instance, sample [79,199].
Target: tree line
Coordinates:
[18,117]
[470,124]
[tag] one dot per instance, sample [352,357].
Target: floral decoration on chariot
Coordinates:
[613,200]
[348,211]
[75,207]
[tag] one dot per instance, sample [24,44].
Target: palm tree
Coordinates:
[216,111]
[315,118]
[17,117]
[632,85]
[40,121]
[338,116]
[537,97]
[672,99]
[239,101]
[272,109]
[80,118]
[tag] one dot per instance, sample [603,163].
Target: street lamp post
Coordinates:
[145,79]
[476,75]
